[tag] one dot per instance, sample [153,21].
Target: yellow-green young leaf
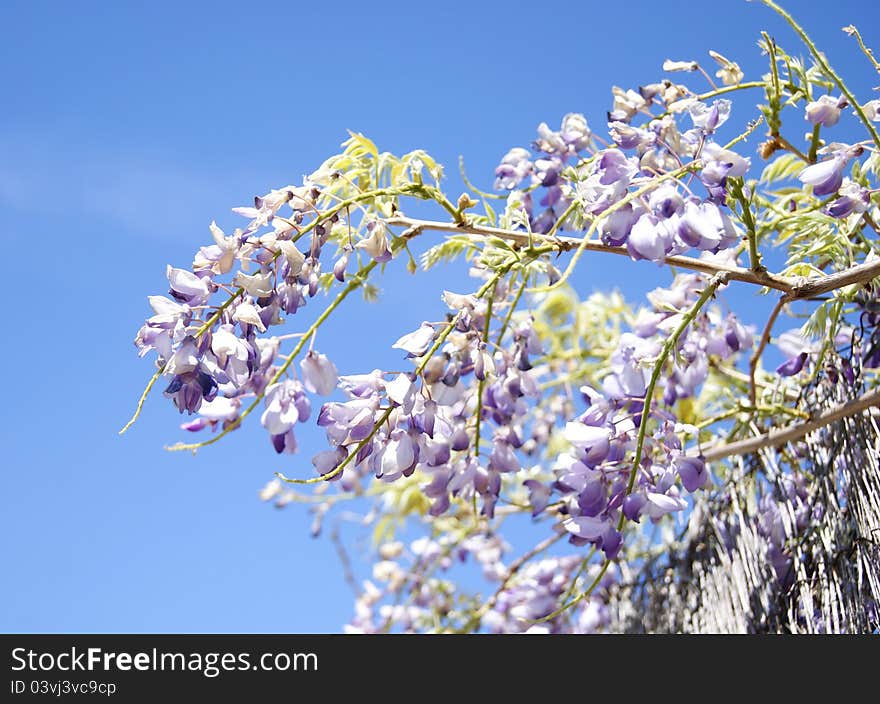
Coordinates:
[804,269]
[325,281]
[448,250]
[490,214]
[558,305]
[385,529]
[786,166]
[358,145]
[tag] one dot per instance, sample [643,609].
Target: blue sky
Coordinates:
[126,128]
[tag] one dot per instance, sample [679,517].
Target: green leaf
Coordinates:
[784,167]
[448,250]
[490,213]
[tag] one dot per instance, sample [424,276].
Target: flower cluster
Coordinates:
[670,218]
[411,587]
[593,476]
[394,424]
[213,355]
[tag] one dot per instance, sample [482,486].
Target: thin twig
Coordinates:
[756,357]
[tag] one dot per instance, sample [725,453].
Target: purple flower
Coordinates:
[189,389]
[665,202]
[399,456]
[325,462]
[286,404]
[852,198]
[826,176]
[705,227]
[707,118]
[692,471]
[514,167]
[736,165]
[628,137]
[376,244]
[658,505]
[648,241]
[616,227]
[341,264]
[503,458]
[165,329]
[585,527]
[348,422]
[401,392]
[575,131]
[792,366]
[633,505]
[539,495]
[319,373]
[186,287]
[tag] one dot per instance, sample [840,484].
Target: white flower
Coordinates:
[246,313]
[417,342]
[730,72]
[294,257]
[258,285]
[673,66]
[191,287]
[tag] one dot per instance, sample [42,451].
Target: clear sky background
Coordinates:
[126,128]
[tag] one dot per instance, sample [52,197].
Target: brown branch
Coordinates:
[756,357]
[794,289]
[566,244]
[859,274]
[781,436]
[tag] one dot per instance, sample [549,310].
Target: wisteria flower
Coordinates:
[416,343]
[319,373]
[514,167]
[825,111]
[187,287]
[709,118]
[851,198]
[827,176]
[376,244]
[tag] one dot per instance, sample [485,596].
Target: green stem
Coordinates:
[814,144]
[737,190]
[730,89]
[143,398]
[852,31]
[482,383]
[666,350]
[511,310]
